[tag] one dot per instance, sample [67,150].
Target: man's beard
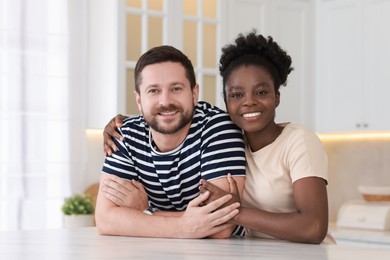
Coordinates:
[185,118]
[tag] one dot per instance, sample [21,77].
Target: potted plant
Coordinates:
[78,211]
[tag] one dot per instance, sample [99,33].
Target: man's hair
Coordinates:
[161,54]
[255,49]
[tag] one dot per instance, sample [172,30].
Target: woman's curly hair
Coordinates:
[255,49]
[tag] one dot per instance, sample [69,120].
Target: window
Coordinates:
[193,26]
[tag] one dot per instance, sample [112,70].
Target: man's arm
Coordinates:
[195,222]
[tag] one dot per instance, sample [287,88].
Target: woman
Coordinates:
[285,193]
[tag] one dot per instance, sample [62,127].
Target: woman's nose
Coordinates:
[250,100]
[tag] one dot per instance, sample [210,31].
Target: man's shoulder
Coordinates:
[134,124]
[212,119]
[209,111]
[134,120]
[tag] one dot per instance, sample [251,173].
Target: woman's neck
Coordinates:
[260,139]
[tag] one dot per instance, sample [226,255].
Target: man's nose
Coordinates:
[165,98]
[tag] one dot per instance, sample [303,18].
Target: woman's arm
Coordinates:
[110,132]
[309,224]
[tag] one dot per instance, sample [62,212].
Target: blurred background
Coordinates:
[66,69]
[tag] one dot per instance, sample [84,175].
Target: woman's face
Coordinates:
[250,98]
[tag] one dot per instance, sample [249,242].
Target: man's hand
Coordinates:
[205,221]
[125,193]
[110,132]
[217,192]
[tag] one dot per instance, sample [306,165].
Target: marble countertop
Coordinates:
[373,238]
[86,243]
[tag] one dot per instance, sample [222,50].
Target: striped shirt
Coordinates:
[213,148]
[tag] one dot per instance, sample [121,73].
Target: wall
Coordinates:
[354,162]
[95,155]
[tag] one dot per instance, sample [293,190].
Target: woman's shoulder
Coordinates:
[294,131]
[296,128]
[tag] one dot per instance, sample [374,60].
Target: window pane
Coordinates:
[134,3]
[210,8]
[155,33]
[209,46]
[209,89]
[156,5]
[190,7]
[133,37]
[131,106]
[189,41]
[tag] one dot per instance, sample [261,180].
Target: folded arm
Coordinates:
[194,222]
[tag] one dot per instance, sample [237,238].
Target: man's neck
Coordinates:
[169,142]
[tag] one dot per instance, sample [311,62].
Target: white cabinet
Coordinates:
[352,68]
[290,23]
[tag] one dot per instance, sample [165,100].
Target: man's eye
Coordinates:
[176,89]
[153,91]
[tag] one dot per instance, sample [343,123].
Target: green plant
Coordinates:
[77,205]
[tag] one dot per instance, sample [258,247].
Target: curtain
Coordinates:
[43,88]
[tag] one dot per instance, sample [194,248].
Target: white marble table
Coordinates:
[85,243]
[368,238]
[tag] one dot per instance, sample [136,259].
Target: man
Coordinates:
[164,154]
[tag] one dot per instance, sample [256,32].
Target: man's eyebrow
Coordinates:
[151,86]
[177,83]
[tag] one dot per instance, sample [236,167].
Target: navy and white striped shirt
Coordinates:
[213,148]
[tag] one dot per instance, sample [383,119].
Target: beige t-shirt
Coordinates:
[296,153]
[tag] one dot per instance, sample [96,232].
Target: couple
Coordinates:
[184,170]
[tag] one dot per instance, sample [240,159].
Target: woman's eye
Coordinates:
[262,93]
[236,95]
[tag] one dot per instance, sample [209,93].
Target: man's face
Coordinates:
[165,99]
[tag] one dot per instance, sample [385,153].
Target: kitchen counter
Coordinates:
[361,237]
[86,243]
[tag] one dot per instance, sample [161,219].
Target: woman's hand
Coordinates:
[125,193]
[110,132]
[216,192]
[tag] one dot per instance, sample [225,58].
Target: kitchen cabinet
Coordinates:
[290,23]
[353,58]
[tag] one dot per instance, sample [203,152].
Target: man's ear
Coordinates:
[138,101]
[195,94]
